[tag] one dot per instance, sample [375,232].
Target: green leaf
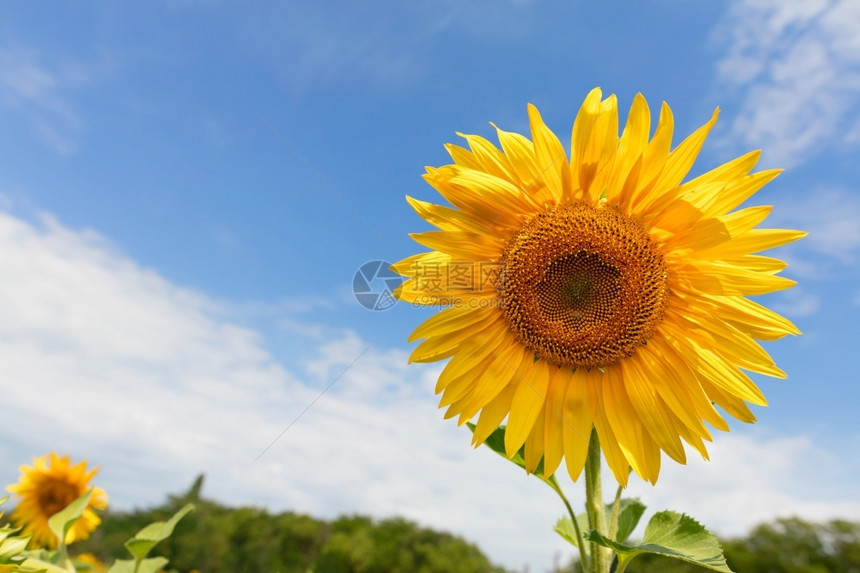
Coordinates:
[149,536]
[496,442]
[43,561]
[673,535]
[629,513]
[150,565]
[32,565]
[122,566]
[8,531]
[564,527]
[12,547]
[63,520]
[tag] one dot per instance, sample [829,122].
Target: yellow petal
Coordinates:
[411,266]
[521,155]
[644,399]
[726,376]
[444,345]
[550,156]
[416,291]
[633,142]
[679,387]
[446,218]
[457,388]
[607,129]
[758,263]
[677,166]
[581,151]
[491,205]
[490,158]
[594,142]
[735,345]
[527,404]
[719,278]
[494,413]
[752,241]
[577,421]
[653,158]
[450,320]
[461,245]
[701,190]
[625,423]
[728,401]
[615,458]
[472,353]
[462,157]
[534,444]
[559,380]
[709,233]
[738,191]
[508,358]
[749,316]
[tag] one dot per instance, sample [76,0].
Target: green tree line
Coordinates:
[218,539]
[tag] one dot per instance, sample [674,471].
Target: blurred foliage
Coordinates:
[217,539]
[789,545]
[796,546]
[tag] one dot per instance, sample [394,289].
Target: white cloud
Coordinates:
[108,361]
[796,66]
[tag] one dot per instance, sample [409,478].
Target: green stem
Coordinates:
[613,522]
[64,555]
[622,564]
[580,542]
[601,557]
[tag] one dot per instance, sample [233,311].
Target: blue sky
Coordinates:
[187,188]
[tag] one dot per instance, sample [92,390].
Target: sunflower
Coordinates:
[47,487]
[596,293]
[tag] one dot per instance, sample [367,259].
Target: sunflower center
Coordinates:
[582,286]
[56,495]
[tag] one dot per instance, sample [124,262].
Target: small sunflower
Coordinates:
[598,292]
[46,488]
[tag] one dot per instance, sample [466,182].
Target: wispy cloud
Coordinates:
[345,43]
[311,44]
[108,361]
[40,91]
[832,219]
[796,67]
[797,303]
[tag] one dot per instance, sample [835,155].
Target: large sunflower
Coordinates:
[48,487]
[596,292]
